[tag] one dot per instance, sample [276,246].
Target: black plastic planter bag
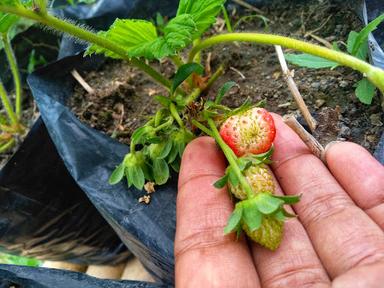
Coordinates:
[43,212]
[26,277]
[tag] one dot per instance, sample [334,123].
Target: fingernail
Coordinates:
[329,145]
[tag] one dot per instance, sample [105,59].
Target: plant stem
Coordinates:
[374,74]
[231,159]
[7,106]
[193,96]
[177,60]
[175,115]
[7,145]
[86,35]
[226,18]
[219,72]
[202,127]
[165,125]
[15,72]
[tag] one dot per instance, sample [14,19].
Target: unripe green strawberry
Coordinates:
[252,131]
[269,234]
[260,179]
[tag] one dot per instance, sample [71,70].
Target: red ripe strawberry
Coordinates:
[252,131]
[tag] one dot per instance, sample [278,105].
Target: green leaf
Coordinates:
[160,171]
[233,178]
[160,20]
[137,176]
[362,52]
[234,220]
[173,154]
[164,101]
[140,133]
[365,91]
[252,217]
[176,165]
[244,164]
[132,35]
[221,182]
[117,175]
[279,215]
[181,147]
[309,61]
[7,21]
[267,203]
[364,33]
[165,150]
[224,90]
[184,72]
[289,199]
[203,12]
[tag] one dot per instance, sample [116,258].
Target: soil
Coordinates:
[124,96]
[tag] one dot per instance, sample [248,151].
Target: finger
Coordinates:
[341,233]
[361,175]
[368,276]
[204,256]
[295,263]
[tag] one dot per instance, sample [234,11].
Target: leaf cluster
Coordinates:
[140,38]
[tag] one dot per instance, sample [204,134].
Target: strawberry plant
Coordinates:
[10,125]
[357,46]
[245,134]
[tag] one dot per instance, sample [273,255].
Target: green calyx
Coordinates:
[262,218]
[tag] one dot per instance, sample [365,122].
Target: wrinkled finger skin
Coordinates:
[204,256]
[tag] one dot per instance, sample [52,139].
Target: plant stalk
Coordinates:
[226,18]
[231,158]
[374,74]
[85,35]
[15,72]
[7,106]
[202,127]
[175,115]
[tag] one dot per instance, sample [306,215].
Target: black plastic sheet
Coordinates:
[27,277]
[44,213]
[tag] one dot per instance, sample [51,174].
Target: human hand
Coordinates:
[337,239]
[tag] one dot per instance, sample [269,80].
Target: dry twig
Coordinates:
[295,91]
[82,82]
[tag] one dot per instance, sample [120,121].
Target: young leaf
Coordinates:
[289,199]
[165,150]
[160,171]
[203,12]
[309,61]
[362,52]
[252,217]
[234,220]
[184,72]
[173,154]
[137,177]
[233,178]
[117,175]
[364,33]
[365,91]
[164,101]
[221,182]
[267,204]
[223,90]
[176,165]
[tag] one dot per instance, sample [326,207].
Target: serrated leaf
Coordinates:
[117,175]
[234,220]
[267,203]
[204,12]
[252,217]
[132,35]
[364,33]
[160,171]
[184,72]
[224,90]
[221,182]
[365,91]
[309,61]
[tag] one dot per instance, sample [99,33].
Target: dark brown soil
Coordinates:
[124,95]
